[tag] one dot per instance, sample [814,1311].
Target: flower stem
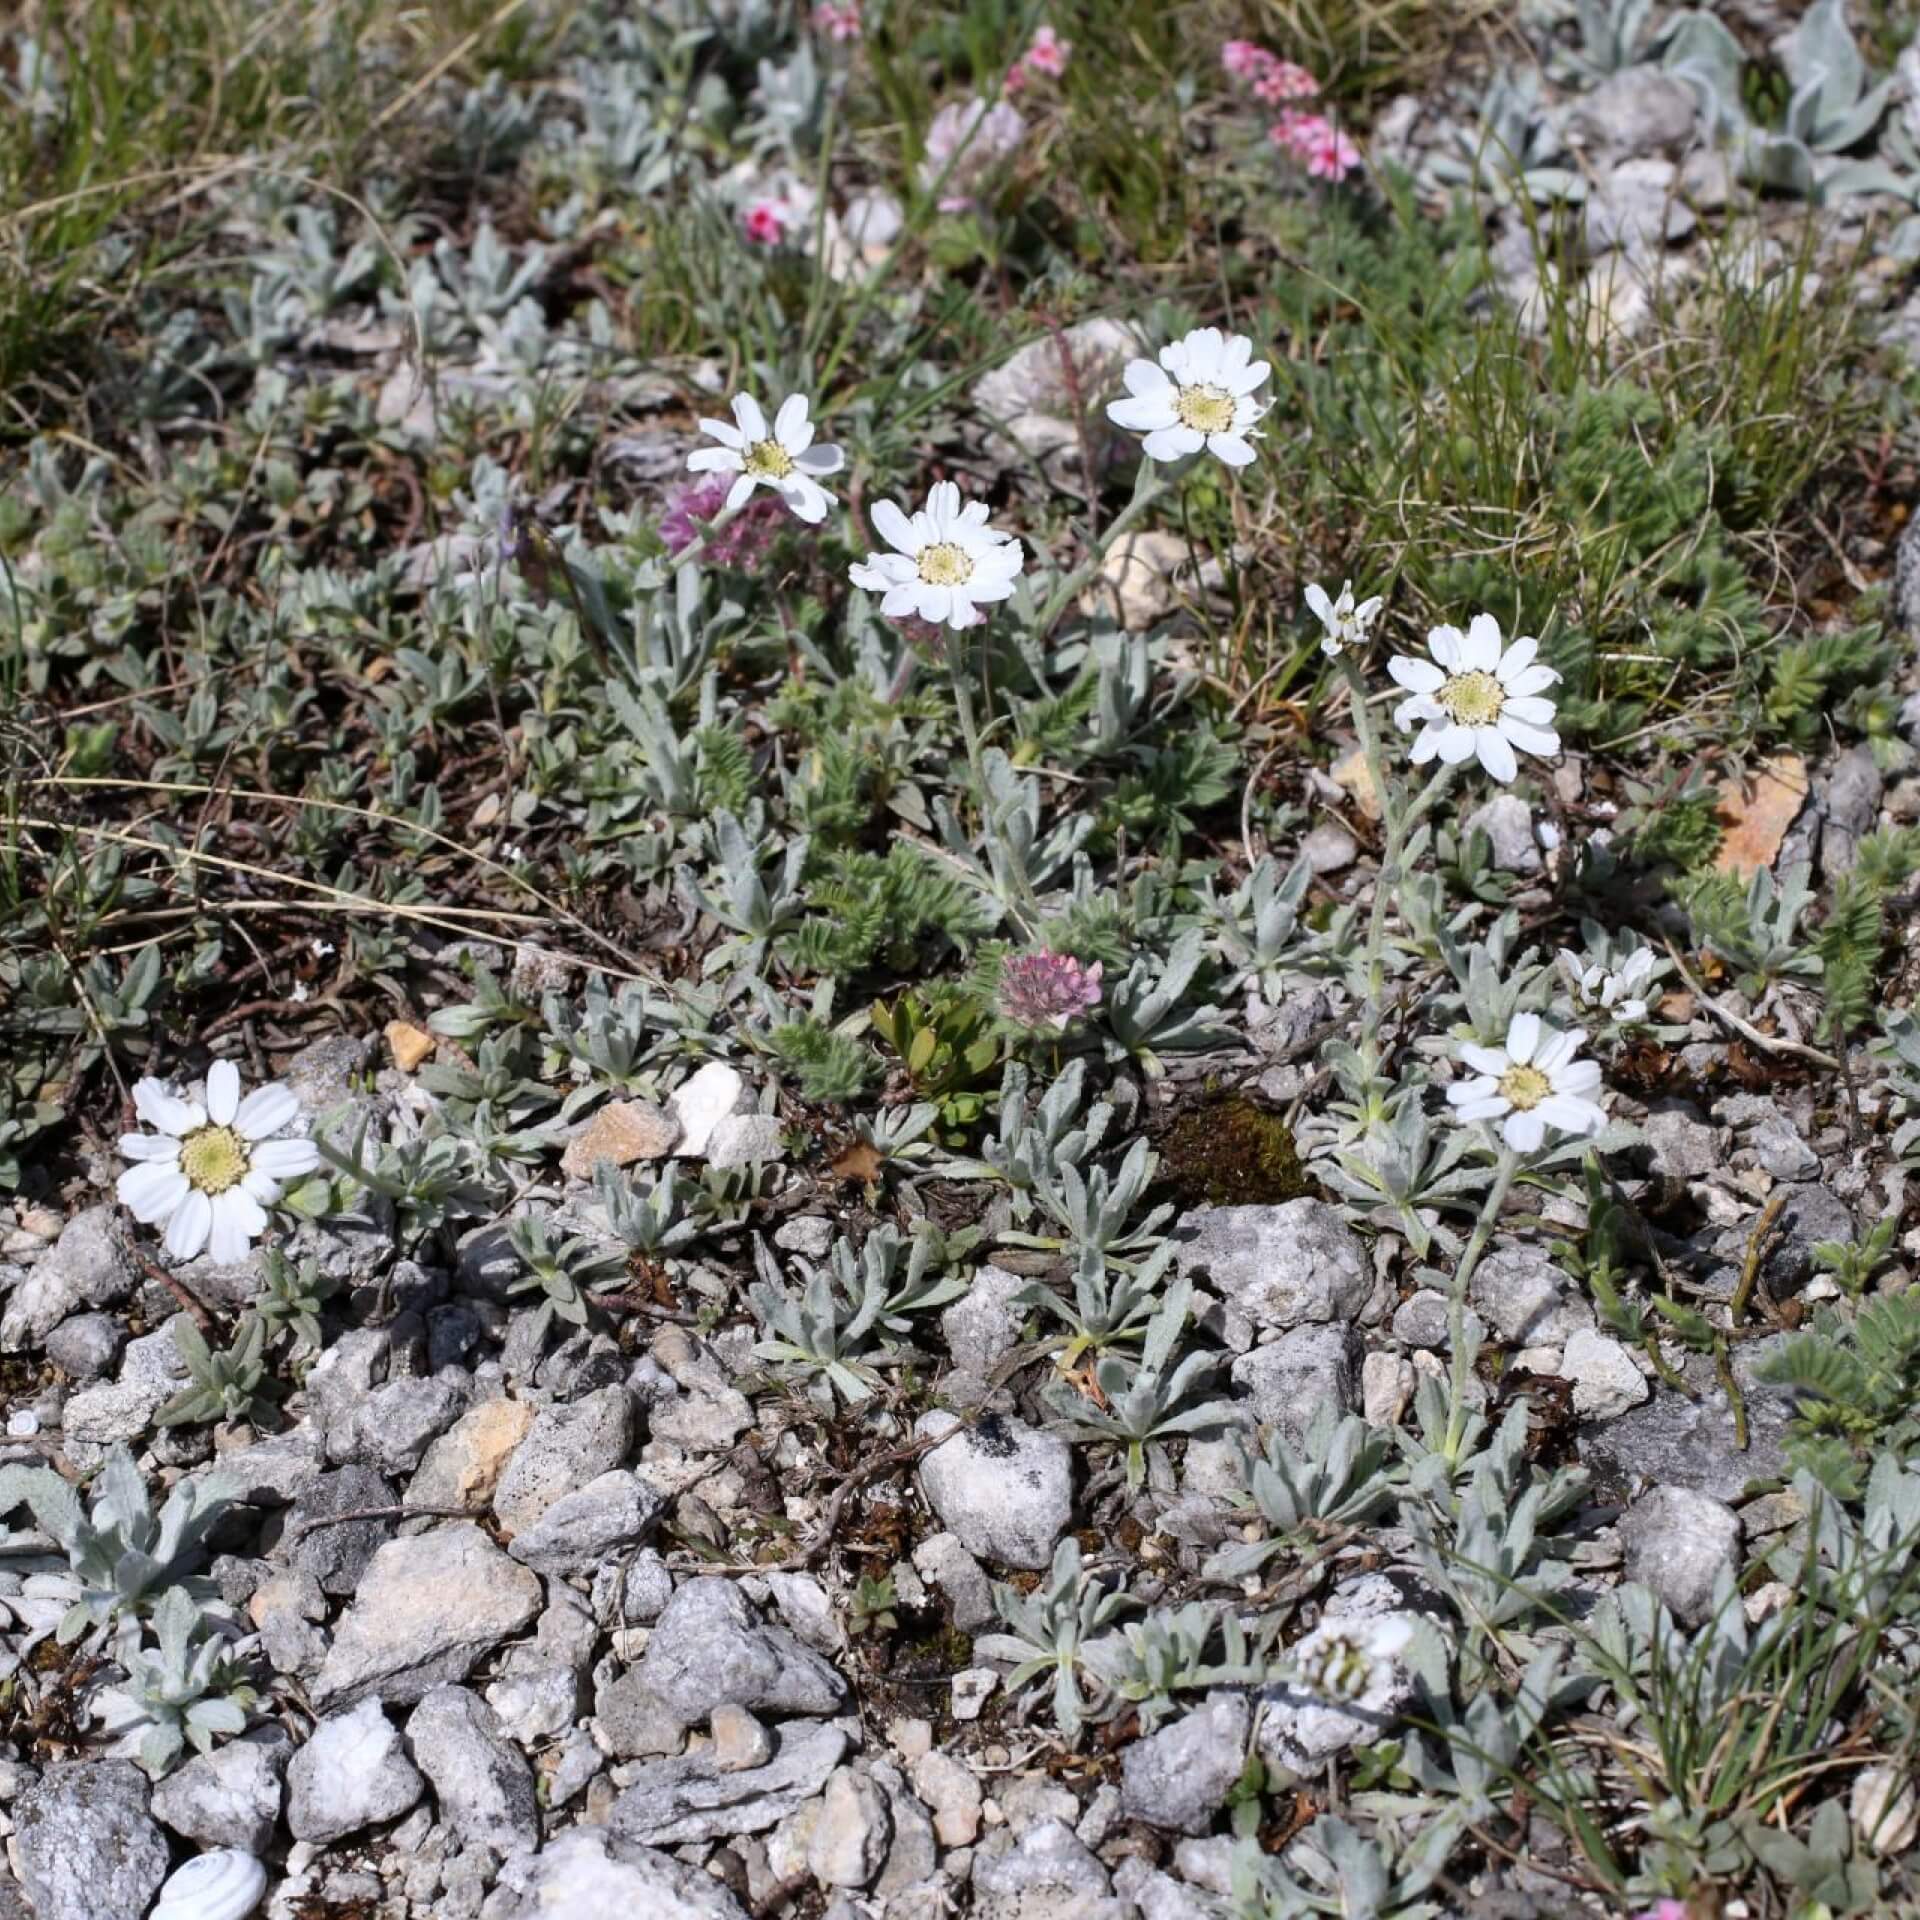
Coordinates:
[1148,486]
[1399,825]
[1026,910]
[1503,1173]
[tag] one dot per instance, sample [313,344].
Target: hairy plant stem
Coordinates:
[1400,824]
[1025,908]
[1509,1165]
[1148,486]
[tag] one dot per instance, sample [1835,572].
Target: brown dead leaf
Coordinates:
[859,1161]
[1352,772]
[410,1044]
[1758,810]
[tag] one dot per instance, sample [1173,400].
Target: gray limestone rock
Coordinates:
[1679,1542]
[674,1800]
[353,1772]
[88,1849]
[1004,1488]
[1281,1266]
[479,1777]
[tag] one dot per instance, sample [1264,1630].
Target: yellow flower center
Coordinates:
[1473,699]
[213,1159]
[768,460]
[1524,1087]
[1205,409]
[945,565]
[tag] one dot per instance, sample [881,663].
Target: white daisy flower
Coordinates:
[1207,402]
[210,1173]
[1475,699]
[1530,1084]
[782,456]
[947,560]
[1618,993]
[1345,623]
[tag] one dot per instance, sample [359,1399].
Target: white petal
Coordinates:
[1562,1110]
[1206,352]
[753,423]
[1417,676]
[1426,745]
[740,493]
[1230,448]
[1577,1076]
[151,1191]
[167,1111]
[238,1219]
[1478,1106]
[191,1223]
[1524,1132]
[1516,660]
[894,527]
[1144,378]
[1495,755]
[1173,443]
[149,1146]
[820,461]
[934,604]
[266,1110]
[790,423]
[223,1092]
[943,506]
[1556,1049]
[1247,379]
[1535,712]
[902,599]
[1535,679]
[1147,413]
[1444,643]
[1481,653]
[982,587]
[1488,1060]
[1322,608]
[263,1189]
[714,460]
[804,499]
[1542,742]
[727,434]
[1456,744]
[1523,1036]
[284,1159]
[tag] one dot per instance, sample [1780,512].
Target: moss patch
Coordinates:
[1230,1152]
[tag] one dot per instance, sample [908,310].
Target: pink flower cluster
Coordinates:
[1047,56]
[1271,78]
[741,544]
[1042,989]
[768,222]
[838,19]
[1313,140]
[1664,1910]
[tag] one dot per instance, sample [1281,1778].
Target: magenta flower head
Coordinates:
[1040,990]
[741,544]
[1664,1910]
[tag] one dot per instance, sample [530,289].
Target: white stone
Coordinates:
[971,1688]
[1605,1379]
[713,1094]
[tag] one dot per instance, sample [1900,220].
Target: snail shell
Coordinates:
[224,1884]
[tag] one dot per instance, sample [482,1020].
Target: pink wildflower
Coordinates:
[1016,80]
[766,222]
[1048,54]
[1288,131]
[741,544]
[1282,80]
[1313,140]
[1243,60]
[1042,989]
[1328,153]
[1664,1910]
[837,21]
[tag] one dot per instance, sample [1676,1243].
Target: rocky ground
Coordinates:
[1156,1466]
